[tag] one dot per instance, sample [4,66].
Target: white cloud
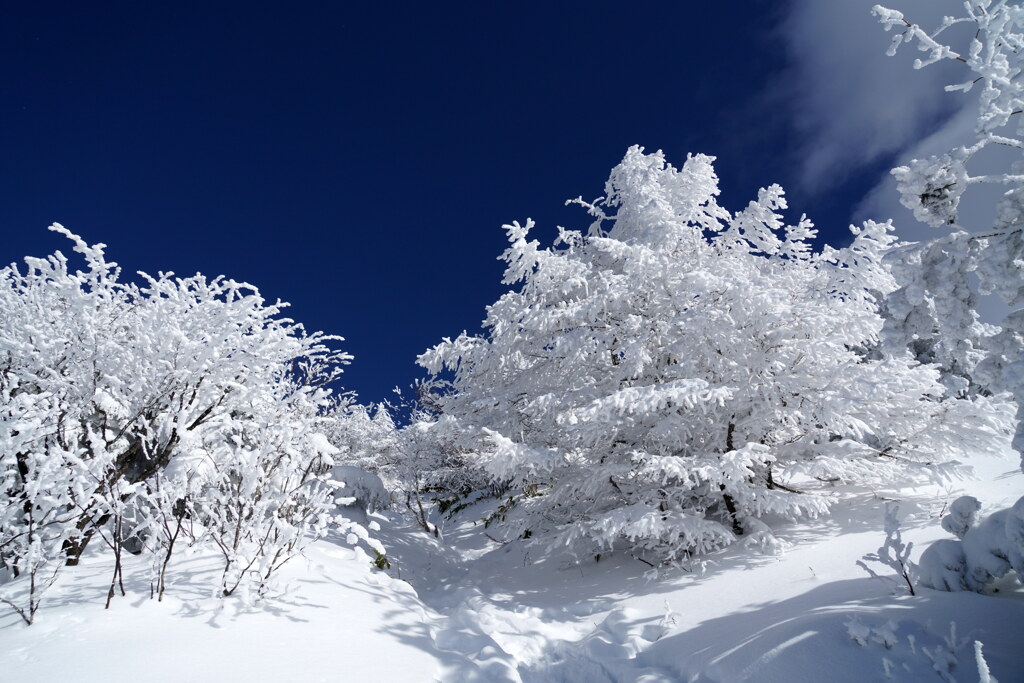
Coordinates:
[852,103]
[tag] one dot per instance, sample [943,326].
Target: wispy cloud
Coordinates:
[852,104]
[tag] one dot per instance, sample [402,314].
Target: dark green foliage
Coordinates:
[381,561]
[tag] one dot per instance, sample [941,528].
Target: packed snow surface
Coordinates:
[465,608]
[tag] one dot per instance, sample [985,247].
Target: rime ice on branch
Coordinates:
[932,188]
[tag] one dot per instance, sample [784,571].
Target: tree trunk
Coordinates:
[730,504]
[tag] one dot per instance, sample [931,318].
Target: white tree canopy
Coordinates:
[667,378]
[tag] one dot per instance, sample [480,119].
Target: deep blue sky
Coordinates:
[358,159]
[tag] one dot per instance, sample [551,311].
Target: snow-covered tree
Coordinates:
[933,311]
[939,294]
[368,438]
[938,302]
[678,373]
[131,409]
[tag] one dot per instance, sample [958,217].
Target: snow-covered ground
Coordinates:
[470,609]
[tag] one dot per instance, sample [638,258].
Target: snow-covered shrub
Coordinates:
[169,501]
[413,464]
[943,566]
[961,517]
[863,634]
[668,375]
[41,483]
[439,465]
[127,408]
[985,552]
[268,492]
[910,650]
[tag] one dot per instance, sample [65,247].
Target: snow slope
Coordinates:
[744,617]
[338,621]
[471,609]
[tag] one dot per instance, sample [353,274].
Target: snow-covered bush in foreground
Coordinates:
[903,649]
[984,551]
[661,381]
[146,413]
